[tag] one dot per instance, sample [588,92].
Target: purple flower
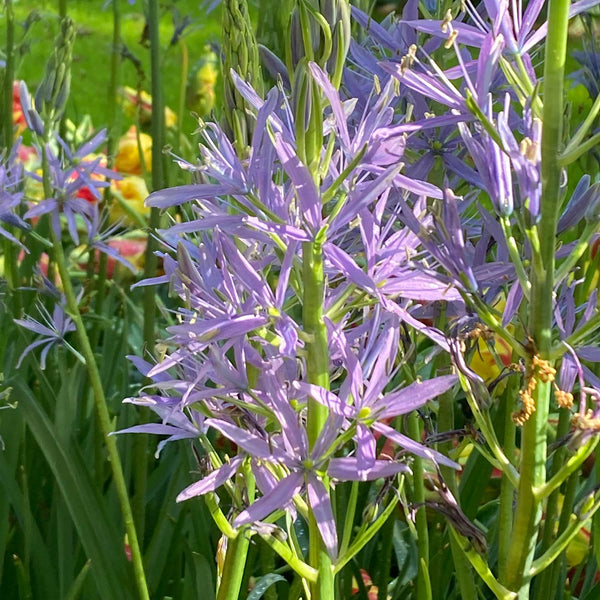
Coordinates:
[53,330]
[362,403]
[11,194]
[306,469]
[69,173]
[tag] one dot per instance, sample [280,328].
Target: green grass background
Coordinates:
[91,55]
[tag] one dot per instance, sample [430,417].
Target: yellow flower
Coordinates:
[128,157]
[201,87]
[136,105]
[127,205]
[483,361]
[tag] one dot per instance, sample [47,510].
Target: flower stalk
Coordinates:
[533,446]
[99,399]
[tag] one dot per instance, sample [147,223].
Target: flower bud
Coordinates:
[240,54]
[52,93]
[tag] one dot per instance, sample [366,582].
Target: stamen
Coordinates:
[451,39]
[446,23]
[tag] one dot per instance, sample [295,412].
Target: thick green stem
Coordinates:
[233,569]
[317,372]
[317,351]
[533,445]
[99,399]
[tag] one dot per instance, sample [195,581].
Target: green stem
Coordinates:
[317,372]
[317,352]
[567,469]
[533,440]
[482,568]
[233,569]
[561,543]
[568,157]
[572,151]
[515,257]
[99,398]
[418,498]
[11,267]
[507,489]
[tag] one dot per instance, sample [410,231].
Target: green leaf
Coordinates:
[263,584]
[77,587]
[102,543]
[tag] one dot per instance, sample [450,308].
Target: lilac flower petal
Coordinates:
[185,193]
[414,447]
[431,332]
[345,263]
[326,398]
[212,481]
[252,444]
[308,194]
[376,31]
[323,513]
[365,452]
[414,396]
[33,345]
[467,34]
[274,500]
[346,469]
[363,195]
[274,65]
[568,373]
[157,429]
[35,327]
[212,330]
[419,286]
[91,145]
[513,301]
[591,353]
[420,188]
[334,99]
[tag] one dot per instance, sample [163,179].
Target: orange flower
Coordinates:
[128,158]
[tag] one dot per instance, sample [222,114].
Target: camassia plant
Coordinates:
[397,238]
[383,313]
